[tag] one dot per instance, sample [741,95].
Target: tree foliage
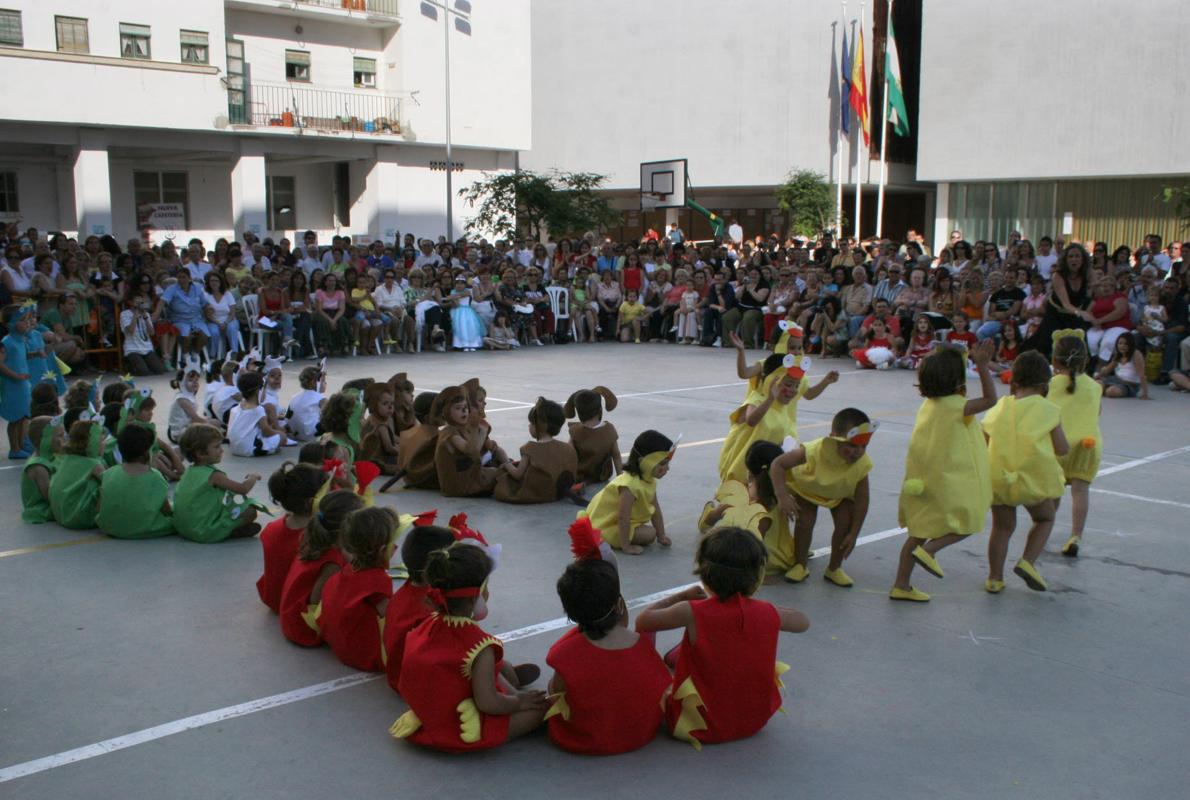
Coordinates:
[562,203]
[807,197]
[1179,198]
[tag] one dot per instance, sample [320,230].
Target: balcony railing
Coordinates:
[295,106]
[386,8]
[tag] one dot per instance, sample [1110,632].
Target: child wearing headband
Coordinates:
[947,488]
[1078,397]
[409,605]
[608,679]
[830,472]
[626,509]
[769,413]
[1025,440]
[453,675]
[293,487]
[74,487]
[356,597]
[726,682]
[318,559]
[16,390]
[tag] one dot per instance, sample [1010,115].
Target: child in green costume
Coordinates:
[47,433]
[134,497]
[138,409]
[202,511]
[74,487]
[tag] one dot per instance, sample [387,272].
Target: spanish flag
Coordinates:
[859,90]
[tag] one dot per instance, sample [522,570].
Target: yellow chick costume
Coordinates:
[1024,468]
[947,487]
[826,479]
[1080,422]
[777,423]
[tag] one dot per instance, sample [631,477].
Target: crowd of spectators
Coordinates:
[163,302]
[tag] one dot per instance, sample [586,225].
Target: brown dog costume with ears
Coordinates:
[595,440]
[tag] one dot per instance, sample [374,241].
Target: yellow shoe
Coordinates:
[797,573]
[910,594]
[1070,549]
[993,586]
[926,561]
[703,525]
[1029,574]
[838,577]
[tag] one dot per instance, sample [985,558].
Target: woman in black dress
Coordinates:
[1070,293]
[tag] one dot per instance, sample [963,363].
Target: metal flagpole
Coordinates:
[859,131]
[450,237]
[839,140]
[883,131]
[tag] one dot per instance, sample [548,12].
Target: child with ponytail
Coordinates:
[318,559]
[1078,397]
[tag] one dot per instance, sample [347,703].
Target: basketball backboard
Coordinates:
[663,184]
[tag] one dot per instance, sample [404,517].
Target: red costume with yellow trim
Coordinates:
[299,620]
[436,683]
[726,683]
[612,702]
[405,612]
[350,621]
[280,545]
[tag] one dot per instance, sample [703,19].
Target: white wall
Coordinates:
[37,193]
[1026,89]
[331,47]
[209,196]
[741,90]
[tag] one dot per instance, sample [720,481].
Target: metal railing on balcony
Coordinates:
[386,8]
[292,105]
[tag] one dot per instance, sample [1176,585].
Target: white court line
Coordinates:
[1140,497]
[112,745]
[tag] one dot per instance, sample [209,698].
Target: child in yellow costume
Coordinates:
[788,343]
[947,489]
[1078,397]
[1025,438]
[626,509]
[831,472]
[754,508]
[770,412]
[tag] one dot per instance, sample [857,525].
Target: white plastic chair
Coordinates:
[559,303]
[257,332]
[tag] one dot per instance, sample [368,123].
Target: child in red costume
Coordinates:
[293,487]
[318,559]
[452,675]
[726,683]
[409,605]
[608,680]
[355,599]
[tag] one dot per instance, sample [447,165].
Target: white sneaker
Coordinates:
[885,365]
[290,442]
[717,343]
[538,343]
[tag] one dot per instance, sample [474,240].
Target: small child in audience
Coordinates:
[960,332]
[1010,345]
[355,599]
[409,605]
[921,344]
[305,408]
[248,429]
[74,486]
[459,697]
[48,436]
[630,314]
[1154,316]
[500,335]
[877,351]
[133,496]
[293,487]
[547,467]
[318,559]
[626,509]
[202,512]
[595,440]
[726,682]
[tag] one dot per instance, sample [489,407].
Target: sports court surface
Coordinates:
[151,669]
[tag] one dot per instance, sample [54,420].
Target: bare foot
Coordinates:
[664,540]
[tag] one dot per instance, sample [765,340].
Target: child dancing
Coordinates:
[1079,399]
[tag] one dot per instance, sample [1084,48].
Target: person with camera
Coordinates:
[137,321]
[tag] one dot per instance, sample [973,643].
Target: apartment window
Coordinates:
[72,35]
[134,41]
[10,28]
[297,65]
[281,200]
[8,193]
[365,73]
[195,48]
[150,188]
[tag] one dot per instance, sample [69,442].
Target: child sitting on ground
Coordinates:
[74,486]
[831,472]
[133,496]
[726,682]
[608,680]
[378,434]
[185,409]
[138,410]
[459,697]
[500,335]
[547,467]
[336,421]
[418,444]
[318,559]
[626,510]
[222,394]
[595,440]
[961,333]
[409,606]
[293,487]
[248,430]
[877,350]
[202,512]
[1025,439]
[355,598]
[48,436]
[460,449]
[305,407]
[921,344]
[43,402]
[753,507]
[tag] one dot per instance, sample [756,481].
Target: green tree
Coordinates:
[1179,198]
[807,197]
[562,203]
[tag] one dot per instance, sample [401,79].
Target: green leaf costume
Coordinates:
[202,512]
[37,508]
[130,505]
[74,491]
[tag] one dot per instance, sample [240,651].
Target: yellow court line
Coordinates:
[41,548]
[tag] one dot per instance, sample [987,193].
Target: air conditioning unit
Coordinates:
[221,121]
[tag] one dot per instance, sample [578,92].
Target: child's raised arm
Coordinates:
[671,612]
[755,414]
[220,480]
[782,463]
[981,355]
[820,387]
[743,369]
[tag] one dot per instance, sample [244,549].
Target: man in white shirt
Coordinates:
[256,256]
[195,265]
[309,246]
[521,254]
[427,256]
[1045,258]
[1152,254]
[27,267]
[735,231]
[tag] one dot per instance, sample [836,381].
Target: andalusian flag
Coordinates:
[859,87]
[892,73]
